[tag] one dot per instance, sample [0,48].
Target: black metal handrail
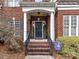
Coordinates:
[27,42]
[28,39]
[50,44]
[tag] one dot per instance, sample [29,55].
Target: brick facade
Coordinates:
[10,12]
[13,12]
[59,19]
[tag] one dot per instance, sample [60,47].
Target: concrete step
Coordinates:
[38,40]
[39,57]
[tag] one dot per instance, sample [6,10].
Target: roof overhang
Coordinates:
[68,7]
[29,6]
[37,4]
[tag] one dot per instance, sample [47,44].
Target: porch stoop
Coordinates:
[38,47]
[39,57]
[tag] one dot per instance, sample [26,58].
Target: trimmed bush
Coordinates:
[70,46]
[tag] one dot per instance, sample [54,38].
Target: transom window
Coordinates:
[43,0]
[71,25]
[38,0]
[12,3]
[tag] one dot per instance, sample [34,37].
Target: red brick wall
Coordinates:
[1,1]
[48,24]
[28,25]
[10,12]
[1,7]
[59,19]
[55,24]
[16,12]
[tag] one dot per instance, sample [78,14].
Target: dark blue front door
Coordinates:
[38,29]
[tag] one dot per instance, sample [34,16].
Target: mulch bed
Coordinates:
[6,54]
[57,56]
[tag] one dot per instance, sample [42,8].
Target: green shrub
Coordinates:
[70,46]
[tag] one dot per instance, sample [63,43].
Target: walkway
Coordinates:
[39,57]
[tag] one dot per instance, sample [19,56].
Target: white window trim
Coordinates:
[69,25]
[68,7]
[77,26]
[77,19]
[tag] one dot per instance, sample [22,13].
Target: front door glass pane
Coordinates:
[38,29]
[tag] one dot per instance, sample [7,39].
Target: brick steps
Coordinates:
[38,47]
[38,50]
[38,53]
[38,43]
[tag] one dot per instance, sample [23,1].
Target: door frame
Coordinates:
[33,25]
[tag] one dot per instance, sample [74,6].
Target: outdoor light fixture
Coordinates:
[38,12]
[13,18]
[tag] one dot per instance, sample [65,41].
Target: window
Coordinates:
[73,25]
[11,23]
[17,33]
[38,0]
[12,3]
[70,27]
[16,26]
[66,25]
